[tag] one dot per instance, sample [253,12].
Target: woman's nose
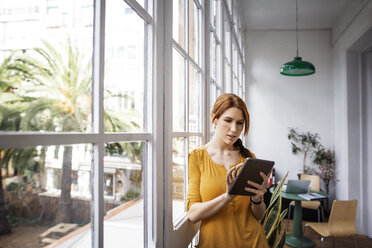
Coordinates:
[233,127]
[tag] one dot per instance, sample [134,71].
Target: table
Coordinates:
[295,239]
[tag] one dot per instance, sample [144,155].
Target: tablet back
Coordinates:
[250,171]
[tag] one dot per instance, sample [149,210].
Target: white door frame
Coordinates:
[359,171]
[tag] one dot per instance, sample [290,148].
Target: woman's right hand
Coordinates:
[232,173]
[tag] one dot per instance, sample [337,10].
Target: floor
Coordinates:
[362,241]
[22,236]
[27,237]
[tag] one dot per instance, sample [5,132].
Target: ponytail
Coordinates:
[243,151]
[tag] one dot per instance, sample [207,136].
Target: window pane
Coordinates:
[179,22]
[194,28]
[241,68]
[227,77]
[217,65]
[243,80]
[124,69]
[240,34]
[213,6]
[235,17]
[178,177]
[57,101]
[235,58]
[229,6]
[212,99]
[47,191]
[195,106]
[213,96]
[212,57]
[178,92]
[143,3]
[227,39]
[123,194]
[195,142]
[235,86]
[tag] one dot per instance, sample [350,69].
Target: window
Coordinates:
[186,94]
[84,136]
[189,95]
[112,132]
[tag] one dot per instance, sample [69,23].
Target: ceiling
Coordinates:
[281,14]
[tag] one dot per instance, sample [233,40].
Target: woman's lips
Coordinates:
[231,137]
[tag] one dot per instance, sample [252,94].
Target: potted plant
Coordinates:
[306,143]
[325,160]
[272,221]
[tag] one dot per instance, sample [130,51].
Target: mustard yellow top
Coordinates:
[234,225]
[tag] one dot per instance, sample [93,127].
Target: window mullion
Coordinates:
[222,47]
[188,58]
[218,41]
[141,12]
[12,140]
[185,134]
[231,64]
[197,3]
[206,77]
[97,210]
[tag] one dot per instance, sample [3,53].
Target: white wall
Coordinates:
[327,102]
[276,102]
[350,168]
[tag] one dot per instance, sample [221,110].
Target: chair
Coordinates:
[341,222]
[313,205]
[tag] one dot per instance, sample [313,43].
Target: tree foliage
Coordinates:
[306,143]
[309,144]
[50,89]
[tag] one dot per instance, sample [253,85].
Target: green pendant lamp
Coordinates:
[297,67]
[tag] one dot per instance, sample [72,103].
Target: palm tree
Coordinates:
[61,90]
[12,105]
[62,87]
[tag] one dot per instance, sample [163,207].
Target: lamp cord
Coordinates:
[297,26]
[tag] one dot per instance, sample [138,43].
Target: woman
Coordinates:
[227,220]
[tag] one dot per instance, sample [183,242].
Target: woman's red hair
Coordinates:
[229,100]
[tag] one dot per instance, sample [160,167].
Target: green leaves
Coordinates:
[274,216]
[305,143]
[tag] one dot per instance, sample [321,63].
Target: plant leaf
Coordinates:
[281,242]
[273,218]
[277,191]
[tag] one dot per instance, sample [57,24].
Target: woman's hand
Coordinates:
[260,188]
[232,173]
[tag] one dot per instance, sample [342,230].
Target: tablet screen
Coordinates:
[250,171]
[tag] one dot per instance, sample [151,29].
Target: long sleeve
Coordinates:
[193,193]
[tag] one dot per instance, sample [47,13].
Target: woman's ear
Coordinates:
[214,123]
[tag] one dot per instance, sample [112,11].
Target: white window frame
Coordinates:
[158,222]
[98,137]
[182,234]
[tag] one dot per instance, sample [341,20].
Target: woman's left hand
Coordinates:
[260,188]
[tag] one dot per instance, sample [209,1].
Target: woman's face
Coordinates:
[230,125]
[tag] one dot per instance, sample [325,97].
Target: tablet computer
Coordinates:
[250,171]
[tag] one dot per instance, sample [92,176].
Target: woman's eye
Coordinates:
[228,120]
[240,123]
